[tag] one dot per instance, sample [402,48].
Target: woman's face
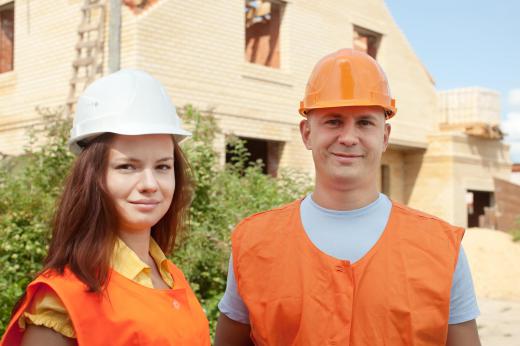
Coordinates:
[140,179]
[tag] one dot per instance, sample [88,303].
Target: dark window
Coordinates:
[262,22]
[366,41]
[268,152]
[6,37]
[477,203]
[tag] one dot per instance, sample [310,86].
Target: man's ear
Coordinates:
[388,129]
[305,131]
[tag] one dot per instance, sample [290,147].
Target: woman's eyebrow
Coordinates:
[169,158]
[126,159]
[135,160]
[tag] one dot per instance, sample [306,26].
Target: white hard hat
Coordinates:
[128,102]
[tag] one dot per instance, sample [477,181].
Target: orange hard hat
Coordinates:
[347,78]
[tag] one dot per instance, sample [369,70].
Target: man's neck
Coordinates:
[344,198]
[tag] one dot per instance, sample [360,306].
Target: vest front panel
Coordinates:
[397,294]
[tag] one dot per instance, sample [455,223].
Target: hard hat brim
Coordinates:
[390,111]
[76,148]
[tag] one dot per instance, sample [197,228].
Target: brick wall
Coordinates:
[507,197]
[45,34]
[454,163]
[196,48]
[202,62]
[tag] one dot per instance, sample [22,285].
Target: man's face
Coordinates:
[347,144]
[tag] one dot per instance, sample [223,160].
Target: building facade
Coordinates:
[248,62]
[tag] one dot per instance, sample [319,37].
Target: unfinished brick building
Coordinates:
[248,62]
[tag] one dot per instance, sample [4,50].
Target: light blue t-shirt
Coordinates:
[349,235]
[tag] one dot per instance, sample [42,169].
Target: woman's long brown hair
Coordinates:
[83,232]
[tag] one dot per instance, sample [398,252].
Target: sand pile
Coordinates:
[495,263]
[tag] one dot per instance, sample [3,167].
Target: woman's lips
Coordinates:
[145,204]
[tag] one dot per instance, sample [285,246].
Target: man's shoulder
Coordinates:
[422,217]
[412,212]
[267,221]
[266,215]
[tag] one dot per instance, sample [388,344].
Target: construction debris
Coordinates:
[481,130]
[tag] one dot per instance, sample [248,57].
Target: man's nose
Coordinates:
[349,135]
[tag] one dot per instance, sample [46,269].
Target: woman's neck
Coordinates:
[138,242]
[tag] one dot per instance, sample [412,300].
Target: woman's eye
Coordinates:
[125,167]
[164,167]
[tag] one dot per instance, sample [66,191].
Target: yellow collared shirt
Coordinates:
[47,310]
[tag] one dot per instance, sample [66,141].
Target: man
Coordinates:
[345,265]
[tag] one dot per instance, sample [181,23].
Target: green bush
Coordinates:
[222,198]
[29,185]
[515,232]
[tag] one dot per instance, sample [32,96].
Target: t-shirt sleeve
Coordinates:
[231,303]
[47,310]
[463,302]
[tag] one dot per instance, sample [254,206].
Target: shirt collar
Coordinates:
[126,262]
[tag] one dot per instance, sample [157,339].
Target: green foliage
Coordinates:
[516,231]
[222,198]
[30,184]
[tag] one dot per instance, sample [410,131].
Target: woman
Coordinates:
[106,280]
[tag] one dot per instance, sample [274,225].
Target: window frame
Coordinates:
[370,34]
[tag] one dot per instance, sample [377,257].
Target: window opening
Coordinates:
[262,29]
[7,37]
[366,41]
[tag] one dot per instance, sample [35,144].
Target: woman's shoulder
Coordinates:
[56,279]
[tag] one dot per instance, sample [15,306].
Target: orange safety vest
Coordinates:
[127,313]
[397,294]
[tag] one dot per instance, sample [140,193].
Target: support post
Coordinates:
[114,37]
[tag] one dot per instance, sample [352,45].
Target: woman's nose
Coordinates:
[148,182]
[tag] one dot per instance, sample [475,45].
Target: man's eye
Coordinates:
[333,122]
[365,123]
